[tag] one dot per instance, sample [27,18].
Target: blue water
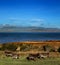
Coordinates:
[26,36]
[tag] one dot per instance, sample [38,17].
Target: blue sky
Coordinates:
[41,13]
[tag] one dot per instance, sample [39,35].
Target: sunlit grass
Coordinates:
[22,61]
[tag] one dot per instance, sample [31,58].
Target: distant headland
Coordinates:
[27,29]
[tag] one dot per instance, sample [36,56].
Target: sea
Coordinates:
[28,36]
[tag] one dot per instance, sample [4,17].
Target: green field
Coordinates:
[22,61]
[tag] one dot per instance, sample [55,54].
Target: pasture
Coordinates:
[23,61]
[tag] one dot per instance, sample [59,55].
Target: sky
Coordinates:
[38,13]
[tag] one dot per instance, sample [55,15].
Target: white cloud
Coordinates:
[37,20]
[27,22]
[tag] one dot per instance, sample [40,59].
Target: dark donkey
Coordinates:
[33,56]
[36,55]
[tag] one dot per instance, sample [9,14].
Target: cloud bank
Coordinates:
[27,22]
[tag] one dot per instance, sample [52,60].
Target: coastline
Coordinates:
[37,43]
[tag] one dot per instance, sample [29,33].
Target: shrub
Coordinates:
[48,48]
[10,47]
[58,49]
[52,50]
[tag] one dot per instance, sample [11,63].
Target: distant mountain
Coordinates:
[8,28]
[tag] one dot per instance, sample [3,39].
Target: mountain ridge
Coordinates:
[8,28]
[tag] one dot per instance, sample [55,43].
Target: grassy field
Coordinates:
[22,61]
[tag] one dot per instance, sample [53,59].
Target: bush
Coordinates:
[48,48]
[4,47]
[58,49]
[10,47]
[52,50]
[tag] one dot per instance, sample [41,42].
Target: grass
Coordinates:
[23,61]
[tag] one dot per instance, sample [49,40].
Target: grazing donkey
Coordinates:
[15,56]
[12,54]
[8,53]
[30,58]
[36,55]
[33,56]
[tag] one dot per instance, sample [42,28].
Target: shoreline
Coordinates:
[37,43]
[34,41]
